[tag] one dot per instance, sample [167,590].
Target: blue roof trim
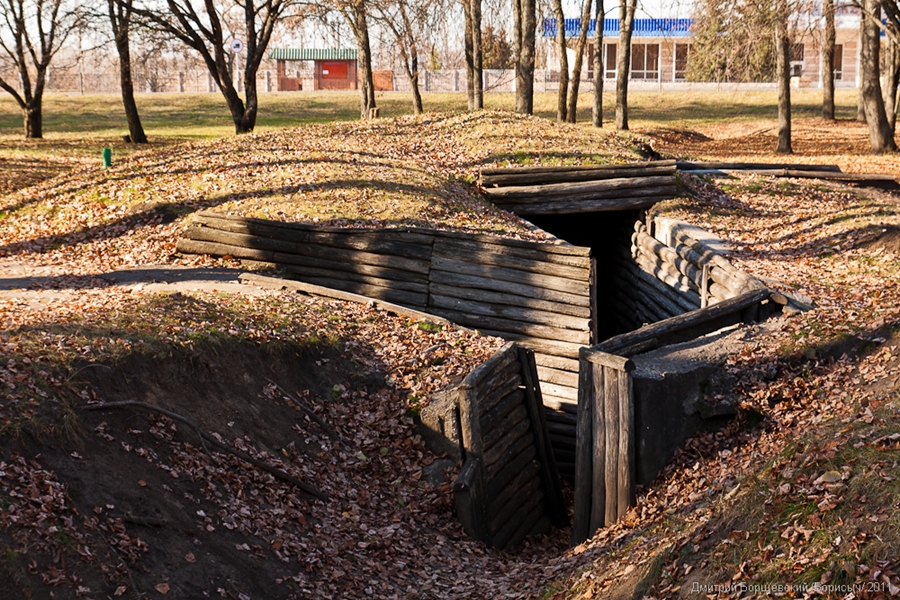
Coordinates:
[642,27]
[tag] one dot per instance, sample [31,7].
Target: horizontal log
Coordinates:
[373,242]
[404,298]
[532,330]
[553,347]
[706,255]
[605,359]
[511,445]
[578,287]
[524,179]
[606,188]
[689,325]
[525,517]
[560,247]
[807,174]
[505,383]
[329,266]
[492,171]
[556,362]
[253,228]
[569,207]
[507,404]
[560,404]
[557,376]
[561,429]
[207,234]
[637,276]
[559,391]
[521,497]
[186,246]
[514,423]
[542,253]
[663,299]
[502,479]
[654,247]
[334,274]
[476,253]
[501,298]
[366,258]
[529,523]
[558,416]
[562,442]
[278,283]
[668,275]
[510,312]
[684,165]
[523,289]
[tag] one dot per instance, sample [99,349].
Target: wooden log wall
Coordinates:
[508,487]
[537,294]
[530,191]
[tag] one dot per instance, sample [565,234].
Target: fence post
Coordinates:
[181,82]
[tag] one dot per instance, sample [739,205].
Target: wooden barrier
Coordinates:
[530,191]
[508,487]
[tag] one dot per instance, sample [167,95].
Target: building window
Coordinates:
[796,56]
[682,55]
[610,62]
[645,61]
[838,62]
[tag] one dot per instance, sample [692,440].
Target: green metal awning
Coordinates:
[313,54]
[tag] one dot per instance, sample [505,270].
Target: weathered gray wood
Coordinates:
[489,182]
[485,323]
[625,467]
[461,267]
[705,255]
[334,274]
[493,417]
[663,299]
[808,174]
[560,247]
[559,403]
[474,451]
[556,376]
[508,448]
[611,425]
[531,472]
[497,362]
[541,253]
[373,242]
[605,188]
[522,289]
[468,496]
[406,298]
[584,451]
[502,377]
[367,258]
[519,518]
[507,473]
[500,298]
[406,234]
[520,496]
[561,391]
[668,276]
[637,276]
[597,171]
[556,504]
[612,361]
[187,246]
[558,363]
[253,228]
[689,325]
[693,165]
[326,292]
[528,523]
[475,253]
[506,433]
[514,313]
[380,272]
[565,205]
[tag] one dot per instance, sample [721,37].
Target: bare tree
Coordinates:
[783,74]
[828,63]
[626,25]
[597,112]
[571,111]
[356,14]
[561,47]
[201,25]
[34,32]
[120,13]
[524,32]
[881,137]
[473,52]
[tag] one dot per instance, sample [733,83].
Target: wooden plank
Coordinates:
[625,474]
[351,267]
[520,496]
[373,242]
[562,442]
[609,360]
[584,452]
[519,518]
[475,253]
[467,496]
[541,253]
[251,228]
[506,405]
[506,432]
[522,289]
[318,290]
[472,446]
[502,380]
[561,247]
[524,179]
[367,258]
[546,346]
[405,298]
[333,274]
[556,362]
[514,313]
[530,473]
[550,282]
[499,298]
[531,330]
[611,436]
[689,325]
[406,234]
[558,416]
[556,504]
[662,300]
[186,246]
[510,446]
[505,475]
[563,205]
[556,376]
[528,523]
[600,188]
[637,275]
[560,404]
[498,361]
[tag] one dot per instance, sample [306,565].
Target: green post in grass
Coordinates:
[107,158]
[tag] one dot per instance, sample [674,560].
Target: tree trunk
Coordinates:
[135,129]
[412,72]
[828,63]
[477,55]
[561,103]
[251,107]
[623,70]
[783,73]
[597,112]
[860,102]
[881,137]
[579,58]
[32,113]
[469,51]
[524,39]
[366,84]
[892,64]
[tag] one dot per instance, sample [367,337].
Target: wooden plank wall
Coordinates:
[508,487]
[535,293]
